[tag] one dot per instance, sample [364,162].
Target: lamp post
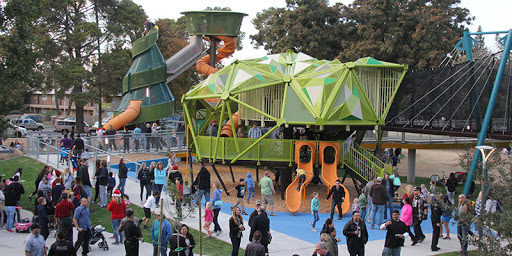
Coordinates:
[485,157]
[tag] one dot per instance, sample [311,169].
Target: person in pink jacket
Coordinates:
[406,217]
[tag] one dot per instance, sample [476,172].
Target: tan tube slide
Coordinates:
[203,66]
[126,117]
[226,129]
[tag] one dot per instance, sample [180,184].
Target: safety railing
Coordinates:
[373,158]
[359,163]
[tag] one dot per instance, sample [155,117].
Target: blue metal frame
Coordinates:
[492,100]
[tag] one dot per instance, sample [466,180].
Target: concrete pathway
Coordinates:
[282,243]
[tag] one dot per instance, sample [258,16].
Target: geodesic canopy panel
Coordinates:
[297,89]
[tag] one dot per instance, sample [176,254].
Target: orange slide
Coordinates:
[296,199]
[131,112]
[203,65]
[226,129]
[329,171]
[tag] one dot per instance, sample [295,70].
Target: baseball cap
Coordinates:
[214,121]
[258,202]
[417,189]
[379,178]
[117,193]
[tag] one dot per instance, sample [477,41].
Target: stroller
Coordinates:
[64,154]
[23,226]
[96,235]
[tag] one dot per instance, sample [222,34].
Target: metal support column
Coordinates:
[411,165]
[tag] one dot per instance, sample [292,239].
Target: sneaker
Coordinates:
[314,230]
[9,230]
[272,214]
[414,243]
[436,249]
[115,243]
[244,213]
[421,239]
[311,223]
[219,232]
[371,227]
[112,237]
[339,218]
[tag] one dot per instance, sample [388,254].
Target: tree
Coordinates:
[309,26]
[78,28]
[418,33]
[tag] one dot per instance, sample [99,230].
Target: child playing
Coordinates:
[186,193]
[250,187]
[240,195]
[149,206]
[208,218]
[111,184]
[355,205]
[424,191]
[362,205]
[314,211]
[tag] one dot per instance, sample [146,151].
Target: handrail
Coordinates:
[360,164]
[373,158]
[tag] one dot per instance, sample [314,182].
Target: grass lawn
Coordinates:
[31,169]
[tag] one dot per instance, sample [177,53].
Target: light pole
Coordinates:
[485,157]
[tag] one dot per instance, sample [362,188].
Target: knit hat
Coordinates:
[214,121]
[175,167]
[117,193]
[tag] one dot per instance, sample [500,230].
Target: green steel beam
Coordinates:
[283,108]
[385,113]
[200,97]
[192,131]
[256,87]
[218,132]
[254,144]
[252,108]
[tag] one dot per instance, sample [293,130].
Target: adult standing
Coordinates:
[149,139]
[367,190]
[67,179]
[254,132]
[83,173]
[132,234]
[181,134]
[136,137]
[236,227]
[156,137]
[116,207]
[166,234]
[189,240]
[395,236]
[63,214]
[35,244]
[435,217]
[57,191]
[177,244]
[42,214]
[390,191]
[419,213]
[66,142]
[10,207]
[378,193]
[338,196]
[126,140]
[18,191]
[160,175]
[261,223]
[42,173]
[174,174]
[451,185]
[255,248]
[203,184]
[123,175]
[330,240]
[111,135]
[213,129]
[357,235]
[144,180]
[406,217]
[446,217]
[46,187]
[463,223]
[62,247]
[82,221]
[102,183]
[78,146]
[217,205]
[267,193]
[321,249]
[96,183]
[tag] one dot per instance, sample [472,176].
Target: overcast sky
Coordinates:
[492,15]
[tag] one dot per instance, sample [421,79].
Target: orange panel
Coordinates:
[295,199]
[329,171]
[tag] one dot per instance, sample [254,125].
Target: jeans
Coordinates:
[158,187]
[216,220]
[462,233]
[131,248]
[115,226]
[206,194]
[315,217]
[103,195]
[249,192]
[413,237]
[333,205]
[377,212]
[163,250]
[136,144]
[389,205]
[18,215]
[363,213]
[435,235]
[235,241]
[416,223]
[370,208]
[10,210]
[122,183]
[302,178]
[66,227]
[148,189]
[391,251]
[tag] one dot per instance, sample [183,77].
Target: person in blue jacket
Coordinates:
[160,179]
[217,205]
[166,235]
[250,187]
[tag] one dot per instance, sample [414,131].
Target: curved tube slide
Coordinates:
[127,116]
[329,171]
[203,66]
[226,129]
[296,199]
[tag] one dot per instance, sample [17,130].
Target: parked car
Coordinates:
[33,117]
[29,124]
[65,126]
[16,131]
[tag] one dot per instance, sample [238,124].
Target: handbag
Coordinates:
[218,203]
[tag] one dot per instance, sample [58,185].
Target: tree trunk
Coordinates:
[69,106]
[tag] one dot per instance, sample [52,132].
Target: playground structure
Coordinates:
[329,100]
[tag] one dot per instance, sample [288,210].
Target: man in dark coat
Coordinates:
[255,248]
[203,183]
[435,217]
[357,235]
[338,196]
[261,223]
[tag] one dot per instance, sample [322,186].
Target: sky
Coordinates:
[492,15]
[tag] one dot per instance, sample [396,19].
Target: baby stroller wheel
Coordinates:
[100,244]
[105,248]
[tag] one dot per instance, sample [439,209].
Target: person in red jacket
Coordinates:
[116,207]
